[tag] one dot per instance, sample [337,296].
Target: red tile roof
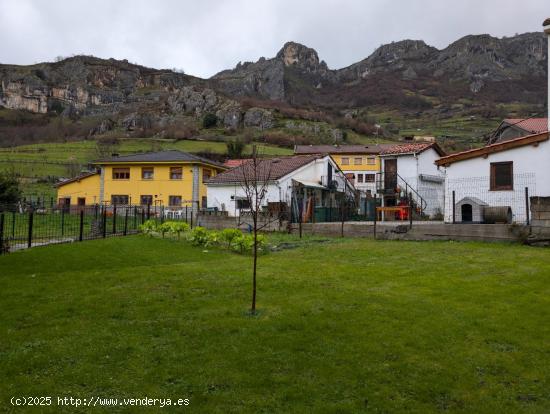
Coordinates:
[77,178]
[268,168]
[235,163]
[412,148]
[531,125]
[340,149]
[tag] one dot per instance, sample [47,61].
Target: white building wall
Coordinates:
[410,167]
[224,197]
[471,177]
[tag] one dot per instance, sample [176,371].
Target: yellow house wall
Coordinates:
[352,167]
[87,187]
[160,187]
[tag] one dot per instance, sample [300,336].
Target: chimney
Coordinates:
[546,26]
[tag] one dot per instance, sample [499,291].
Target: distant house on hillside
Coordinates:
[516,127]
[300,183]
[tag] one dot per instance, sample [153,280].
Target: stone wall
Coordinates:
[540,217]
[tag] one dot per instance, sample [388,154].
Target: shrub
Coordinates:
[178,227]
[198,236]
[235,149]
[209,120]
[149,227]
[213,238]
[228,235]
[164,228]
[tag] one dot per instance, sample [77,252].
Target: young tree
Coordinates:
[235,149]
[256,177]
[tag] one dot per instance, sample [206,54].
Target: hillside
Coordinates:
[403,86]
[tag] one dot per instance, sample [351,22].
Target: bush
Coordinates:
[198,236]
[178,227]
[209,120]
[228,235]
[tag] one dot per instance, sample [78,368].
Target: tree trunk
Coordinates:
[253,308]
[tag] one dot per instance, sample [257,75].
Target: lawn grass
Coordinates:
[344,326]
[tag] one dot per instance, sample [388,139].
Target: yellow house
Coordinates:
[168,178]
[360,163]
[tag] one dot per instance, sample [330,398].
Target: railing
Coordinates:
[393,183]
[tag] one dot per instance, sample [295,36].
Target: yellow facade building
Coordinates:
[360,163]
[165,178]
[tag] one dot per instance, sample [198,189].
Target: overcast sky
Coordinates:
[205,36]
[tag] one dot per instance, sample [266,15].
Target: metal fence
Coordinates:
[476,193]
[24,226]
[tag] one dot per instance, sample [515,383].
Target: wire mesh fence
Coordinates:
[24,226]
[468,199]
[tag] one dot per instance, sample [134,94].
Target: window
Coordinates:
[174,201]
[121,173]
[371,161]
[176,173]
[146,200]
[359,178]
[502,176]
[369,178]
[242,203]
[81,201]
[358,160]
[206,174]
[345,160]
[119,199]
[147,173]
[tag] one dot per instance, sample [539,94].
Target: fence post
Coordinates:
[135,217]
[81,228]
[104,222]
[148,211]
[191,224]
[527,205]
[13,217]
[161,214]
[454,215]
[114,219]
[375,214]
[142,216]
[1,233]
[29,238]
[63,222]
[126,221]
[410,211]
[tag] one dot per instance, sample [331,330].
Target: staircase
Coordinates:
[392,184]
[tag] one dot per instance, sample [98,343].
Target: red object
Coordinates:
[403,213]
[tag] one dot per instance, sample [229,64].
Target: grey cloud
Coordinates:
[204,37]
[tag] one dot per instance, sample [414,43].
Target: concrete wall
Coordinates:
[540,216]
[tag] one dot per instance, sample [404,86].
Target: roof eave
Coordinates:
[493,148]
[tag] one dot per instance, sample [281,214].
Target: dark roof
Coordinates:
[412,148]
[159,156]
[340,149]
[272,168]
[489,149]
[77,178]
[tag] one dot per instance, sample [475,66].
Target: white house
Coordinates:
[305,179]
[498,175]
[409,170]
[504,173]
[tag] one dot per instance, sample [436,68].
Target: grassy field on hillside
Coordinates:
[344,326]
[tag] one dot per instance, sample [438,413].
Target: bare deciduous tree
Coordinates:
[256,177]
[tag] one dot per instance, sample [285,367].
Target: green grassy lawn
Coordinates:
[344,326]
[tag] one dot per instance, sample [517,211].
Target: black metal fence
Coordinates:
[24,226]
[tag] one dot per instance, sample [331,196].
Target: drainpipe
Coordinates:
[102,184]
[546,26]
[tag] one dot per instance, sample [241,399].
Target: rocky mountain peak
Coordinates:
[296,54]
